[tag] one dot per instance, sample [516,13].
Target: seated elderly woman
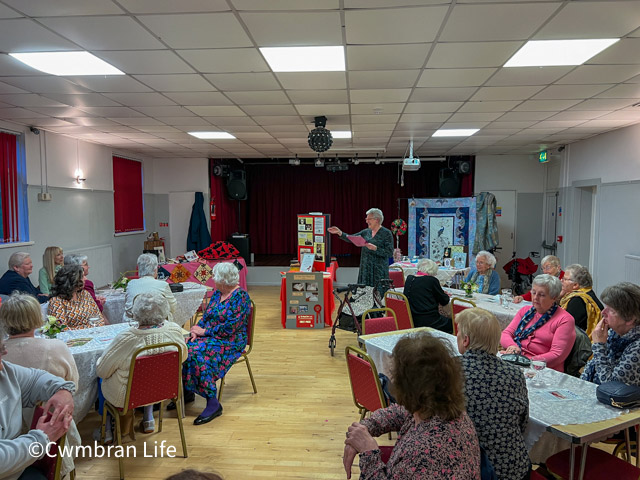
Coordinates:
[544,330]
[20,388]
[148,282]
[70,303]
[436,438]
[217,341]
[16,279]
[151,311]
[20,315]
[83,261]
[579,299]
[484,275]
[496,392]
[52,261]
[551,266]
[616,338]
[424,293]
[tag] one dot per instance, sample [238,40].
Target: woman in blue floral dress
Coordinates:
[217,341]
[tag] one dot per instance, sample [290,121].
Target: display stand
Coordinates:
[304,302]
[313,238]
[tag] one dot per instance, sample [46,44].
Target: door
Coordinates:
[506,220]
[585,225]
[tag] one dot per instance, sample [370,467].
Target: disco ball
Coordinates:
[320,139]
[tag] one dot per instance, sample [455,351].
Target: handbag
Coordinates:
[516,359]
[619,394]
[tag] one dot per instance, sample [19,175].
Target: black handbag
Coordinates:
[176,287]
[619,394]
[516,359]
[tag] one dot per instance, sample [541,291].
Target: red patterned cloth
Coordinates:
[180,274]
[219,250]
[203,273]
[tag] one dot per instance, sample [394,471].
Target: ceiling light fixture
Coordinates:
[455,132]
[341,134]
[294,161]
[67,63]
[356,160]
[305,59]
[320,139]
[319,162]
[545,53]
[212,135]
[377,161]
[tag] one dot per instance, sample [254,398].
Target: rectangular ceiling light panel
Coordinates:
[212,135]
[67,63]
[305,59]
[455,132]
[545,53]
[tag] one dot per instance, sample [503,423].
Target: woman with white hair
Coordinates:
[151,311]
[148,282]
[16,279]
[484,275]
[374,260]
[551,266]
[579,299]
[424,293]
[217,341]
[543,330]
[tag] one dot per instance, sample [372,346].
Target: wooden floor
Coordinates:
[292,428]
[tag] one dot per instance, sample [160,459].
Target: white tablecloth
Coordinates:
[492,303]
[86,357]
[444,274]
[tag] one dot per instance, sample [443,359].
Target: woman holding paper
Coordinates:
[377,246]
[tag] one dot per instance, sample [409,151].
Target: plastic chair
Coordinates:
[365,383]
[50,465]
[244,357]
[399,303]
[152,379]
[599,464]
[397,276]
[458,305]
[380,324]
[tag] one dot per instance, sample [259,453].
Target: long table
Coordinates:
[578,417]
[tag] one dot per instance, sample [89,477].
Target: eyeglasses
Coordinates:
[565,279]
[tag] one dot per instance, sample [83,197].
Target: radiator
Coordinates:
[100,263]
[632,268]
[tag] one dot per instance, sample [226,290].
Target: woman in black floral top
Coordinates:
[496,392]
[436,438]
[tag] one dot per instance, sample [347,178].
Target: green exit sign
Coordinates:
[543,157]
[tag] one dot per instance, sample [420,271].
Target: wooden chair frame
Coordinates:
[458,300]
[374,371]
[403,297]
[373,310]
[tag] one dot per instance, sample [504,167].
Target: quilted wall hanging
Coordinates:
[438,223]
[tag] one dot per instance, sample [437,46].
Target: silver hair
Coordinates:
[550,282]
[75,259]
[150,308]
[376,213]
[428,266]
[491,260]
[17,259]
[147,264]
[226,273]
[580,275]
[552,259]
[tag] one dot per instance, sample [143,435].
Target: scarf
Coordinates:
[594,315]
[522,332]
[482,280]
[616,346]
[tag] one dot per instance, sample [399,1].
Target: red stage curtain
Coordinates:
[128,202]
[9,188]
[226,221]
[277,193]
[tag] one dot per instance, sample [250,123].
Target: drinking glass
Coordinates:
[133,323]
[94,322]
[405,259]
[538,364]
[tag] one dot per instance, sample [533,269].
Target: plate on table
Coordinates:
[78,342]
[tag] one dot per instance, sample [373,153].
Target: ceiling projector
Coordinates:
[410,163]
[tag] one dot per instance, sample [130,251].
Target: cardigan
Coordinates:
[622,366]
[148,284]
[425,294]
[12,281]
[494,281]
[553,341]
[51,355]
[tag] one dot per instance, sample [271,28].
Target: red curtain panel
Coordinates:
[128,202]
[9,188]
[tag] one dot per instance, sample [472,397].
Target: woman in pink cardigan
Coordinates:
[544,330]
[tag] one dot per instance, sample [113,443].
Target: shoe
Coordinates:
[200,420]
[188,397]
[108,436]
[147,426]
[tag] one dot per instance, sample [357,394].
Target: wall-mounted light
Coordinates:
[294,161]
[377,161]
[79,176]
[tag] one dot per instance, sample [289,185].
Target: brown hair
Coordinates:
[67,281]
[194,475]
[427,377]
[20,313]
[624,298]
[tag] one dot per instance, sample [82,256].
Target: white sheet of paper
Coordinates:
[306,265]
[357,240]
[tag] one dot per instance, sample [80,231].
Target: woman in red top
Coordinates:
[550,266]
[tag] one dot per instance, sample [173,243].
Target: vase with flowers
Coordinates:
[469,288]
[52,327]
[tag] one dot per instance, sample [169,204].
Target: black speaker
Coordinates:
[241,242]
[237,185]
[449,183]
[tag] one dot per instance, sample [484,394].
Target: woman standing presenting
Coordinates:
[374,261]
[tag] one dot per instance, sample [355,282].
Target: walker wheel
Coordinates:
[332,344]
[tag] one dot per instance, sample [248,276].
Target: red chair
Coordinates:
[152,379]
[365,383]
[457,305]
[381,324]
[396,274]
[536,476]
[51,463]
[251,326]
[399,303]
[599,465]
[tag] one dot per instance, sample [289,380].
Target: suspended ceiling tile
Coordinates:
[24,35]
[46,122]
[630,115]
[603,19]
[317,96]
[326,109]
[545,105]
[558,124]
[469,124]
[230,121]
[473,117]
[198,98]
[17,112]
[415,25]
[176,83]
[520,124]
[442,94]
[386,57]
[205,30]
[47,8]
[6,12]
[272,97]
[110,84]
[380,95]
[189,120]
[380,127]
[269,110]
[505,93]
[527,76]
[112,111]
[454,77]
[213,111]
[83,99]
[578,115]
[29,100]
[165,111]
[6,88]
[140,99]
[376,108]
[45,84]
[243,81]
[476,54]
[590,74]
[97,33]
[626,51]
[489,106]
[558,92]
[367,119]
[145,61]
[61,112]
[103,124]
[631,90]
[278,130]
[283,29]
[525,116]
[606,104]
[313,80]
[379,79]
[425,117]
[495,22]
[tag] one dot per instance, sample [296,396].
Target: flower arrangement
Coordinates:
[122,283]
[398,228]
[469,288]
[52,327]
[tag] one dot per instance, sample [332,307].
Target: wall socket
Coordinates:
[44,197]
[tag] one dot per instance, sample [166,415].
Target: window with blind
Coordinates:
[128,202]
[14,213]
